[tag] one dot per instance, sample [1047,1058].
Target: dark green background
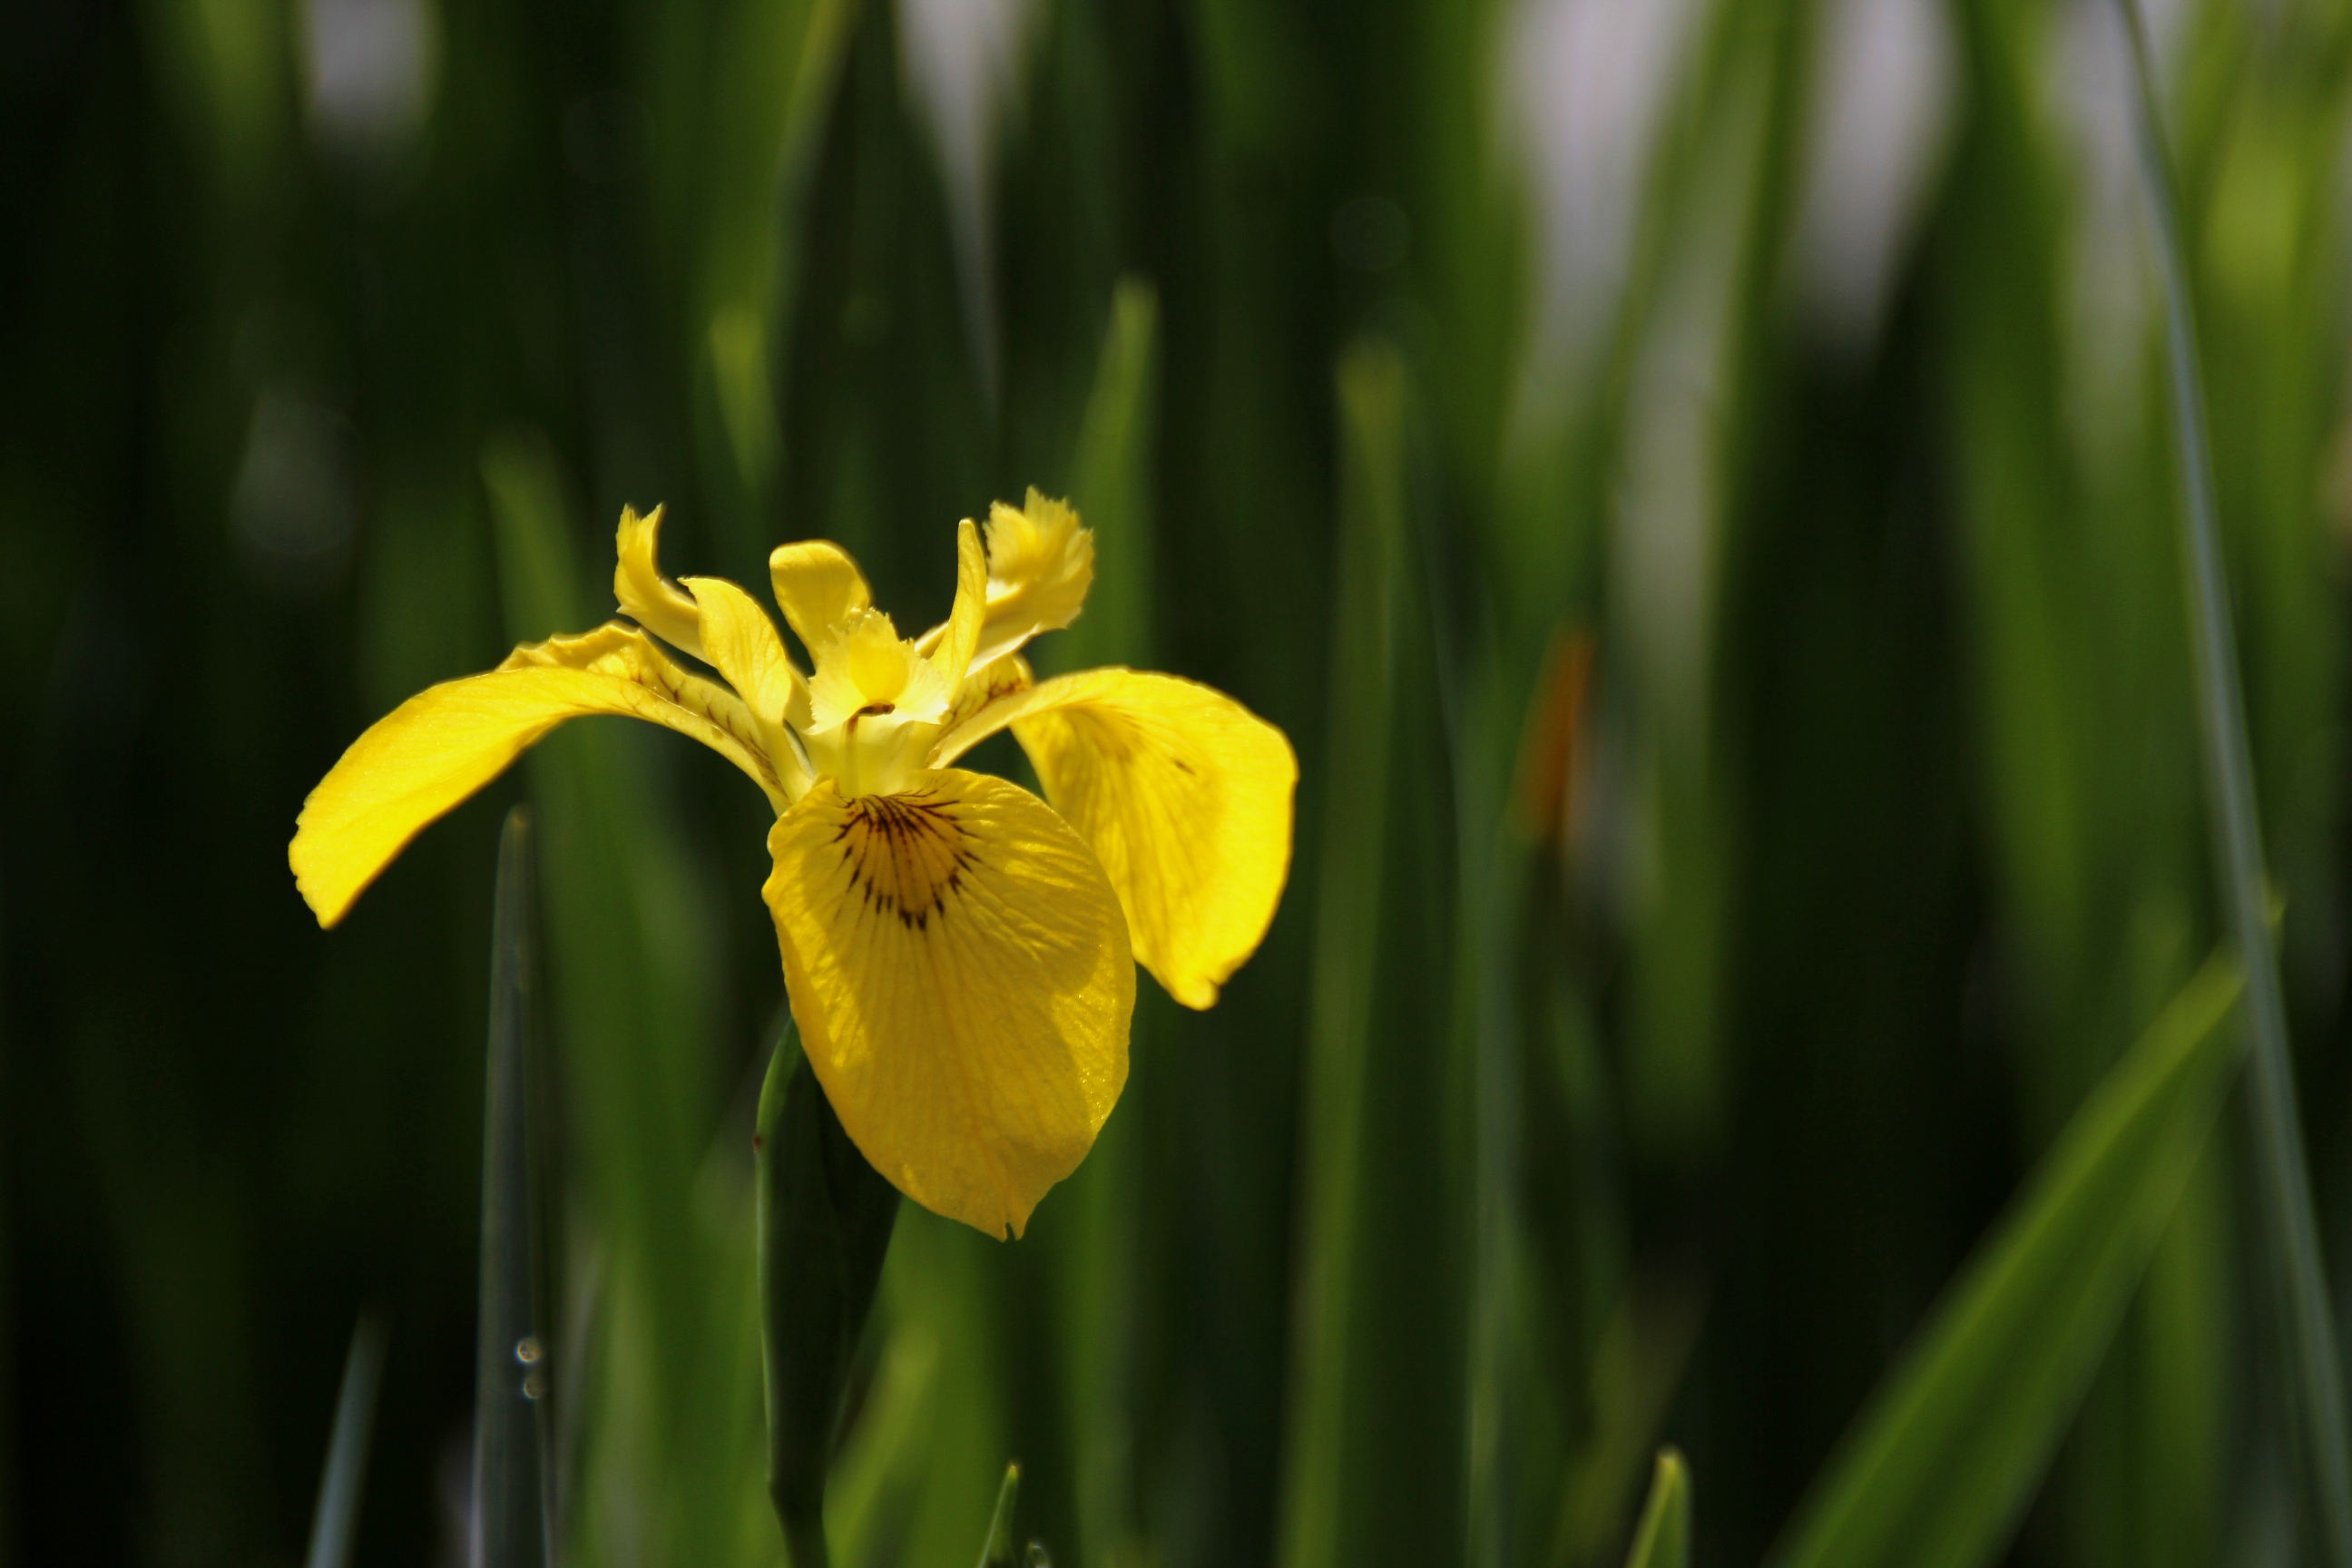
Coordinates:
[1712,1102]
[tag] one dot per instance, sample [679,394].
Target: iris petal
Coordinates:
[441,745]
[1185,796]
[960,974]
[1040,564]
[740,643]
[647,597]
[816,584]
[952,654]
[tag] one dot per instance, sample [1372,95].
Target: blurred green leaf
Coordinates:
[1078,1285]
[343,1480]
[1111,477]
[1371,1424]
[880,1466]
[670,1465]
[825,1220]
[1938,1469]
[1371,564]
[510,1361]
[539,581]
[1638,1363]
[996,1551]
[2313,1363]
[1663,1538]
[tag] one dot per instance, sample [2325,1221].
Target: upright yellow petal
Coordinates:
[960,974]
[951,657]
[816,584]
[1039,565]
[740,643]
[445,742]
[647,597]
[1185,796]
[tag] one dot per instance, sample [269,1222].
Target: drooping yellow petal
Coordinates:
[961,973]
[1039,565]
[952,654]
[740,643]
[441,745]
[623,651]
[647,597]
[816,584]
[1185,796]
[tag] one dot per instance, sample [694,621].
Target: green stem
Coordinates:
[2282,1175]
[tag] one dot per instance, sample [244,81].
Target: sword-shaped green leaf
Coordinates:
[1950,1449]
[1663,1538]
[345,1476]
[996,1551]
[824,1219]
[509,1355]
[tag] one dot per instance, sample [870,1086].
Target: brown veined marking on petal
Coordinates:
[1000,680]
[701,697]
[907,855]
[973,1061]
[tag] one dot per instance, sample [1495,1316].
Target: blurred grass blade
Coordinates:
[538,580]
[1098,1265]
[509,1360]
[1950,1448]
[1638,1364]
[997,1550]
[876,1479]
[768,106]
[1347,933]
[671,1456]
[345,1476]
[1663,1538]
[1111,484]
[824,1221]
[2283,1176]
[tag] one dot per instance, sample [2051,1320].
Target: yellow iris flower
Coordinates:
[959,955]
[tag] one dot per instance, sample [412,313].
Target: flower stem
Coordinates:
[2283,1176]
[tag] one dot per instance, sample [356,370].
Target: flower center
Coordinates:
[875,704]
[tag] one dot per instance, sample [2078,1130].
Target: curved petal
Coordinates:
[441,745]
[647,597]
[1039,565]
[1185,796]
[816,584]
[960,974]
[951,657]
[988,683]
[740,643]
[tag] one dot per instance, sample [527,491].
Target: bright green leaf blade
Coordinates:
[1663,1538]
[1951,1448]
[509,1363]
[345,1476]
[997,1550]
